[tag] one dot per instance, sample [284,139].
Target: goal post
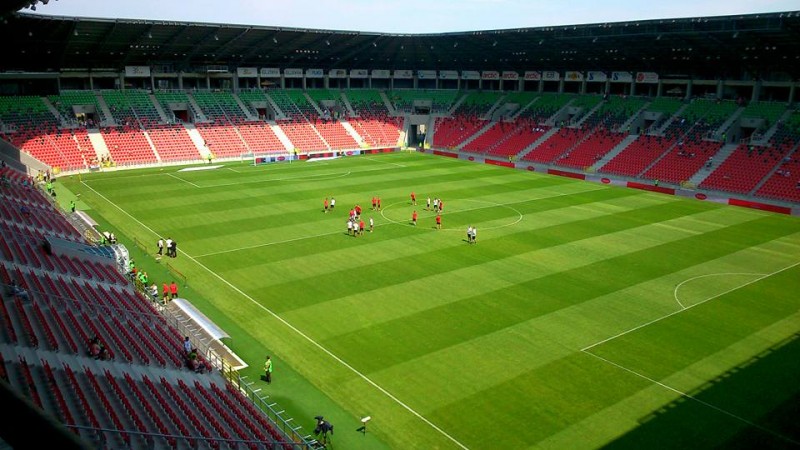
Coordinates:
[268,158]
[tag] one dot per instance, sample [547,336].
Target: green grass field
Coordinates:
[585,316]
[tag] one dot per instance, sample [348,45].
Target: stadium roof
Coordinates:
[733,47]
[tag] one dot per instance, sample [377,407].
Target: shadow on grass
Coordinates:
[763,393]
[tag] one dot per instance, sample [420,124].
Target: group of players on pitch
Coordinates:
[356,224]
[438,207]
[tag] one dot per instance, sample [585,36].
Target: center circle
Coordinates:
[426,214]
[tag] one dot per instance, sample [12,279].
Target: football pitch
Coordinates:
[584,316]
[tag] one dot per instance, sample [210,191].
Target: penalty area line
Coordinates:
[689,307]
[691,397]
[181,179]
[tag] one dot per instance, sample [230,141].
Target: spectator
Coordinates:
[187,346]
[153,291]
[95,350]
[18,291]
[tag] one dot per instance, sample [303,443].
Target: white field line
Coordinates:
[684,394]
[328,176]
[369,158]
[389,222]
[267,244]
[675,291]
[688,307]
[298,331]
[451,211]
[181,179]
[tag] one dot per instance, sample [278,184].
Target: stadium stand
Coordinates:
[173,143]
[372,120]
[102,346]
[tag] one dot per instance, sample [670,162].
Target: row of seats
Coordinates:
[61,303]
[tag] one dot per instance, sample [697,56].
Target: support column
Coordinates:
[756,91]
[719,89]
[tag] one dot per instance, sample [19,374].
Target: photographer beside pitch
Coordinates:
[323,428]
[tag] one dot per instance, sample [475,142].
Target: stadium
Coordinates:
[635,185]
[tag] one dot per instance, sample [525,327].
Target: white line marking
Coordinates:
[267,244]
[451,211]
[330,176]
[324,176]
[688,307]
[684,394]
[675,291]
[368,158]
[181,179]
[297,330]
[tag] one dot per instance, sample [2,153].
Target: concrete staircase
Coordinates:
[350,111]
[161,113]
[588,114]
[287,144]
[552,120]
[723,129]
[99,144]
[524,108]
[52,109]
[626,125]
[494,109]
[456,104]
[241,138]
[152,146]
[279,114]
[198,112]
[352,132]
[660,130]
[313,103]
[537,142]
[475,135]
[774,169]
[248,112]
[388,104]
[719,158]
[197,140]
[107,119]
[764,139]
[614,151]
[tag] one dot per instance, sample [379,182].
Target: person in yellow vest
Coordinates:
[268,370]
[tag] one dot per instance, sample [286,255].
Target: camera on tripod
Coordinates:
[323,426]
